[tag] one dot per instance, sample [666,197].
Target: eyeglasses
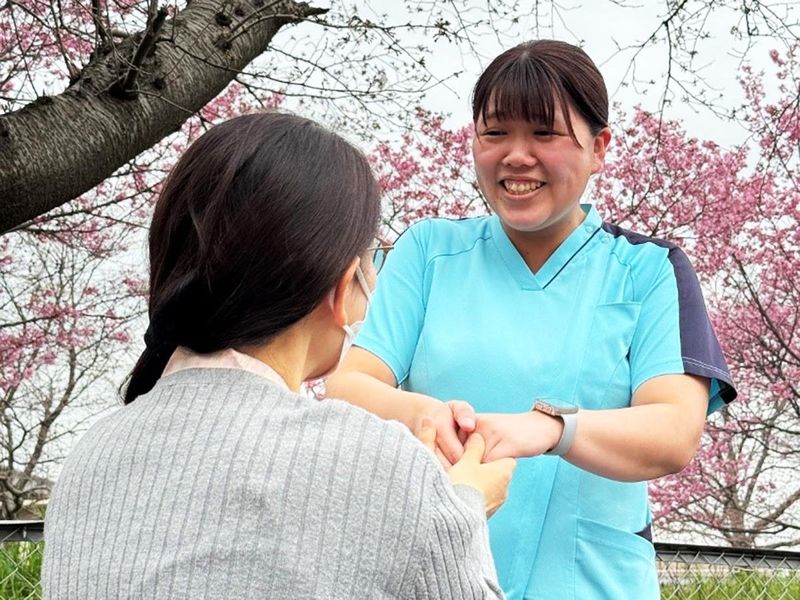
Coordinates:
[379,253]
[365,287]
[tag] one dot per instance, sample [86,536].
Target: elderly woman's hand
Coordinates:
[489,478]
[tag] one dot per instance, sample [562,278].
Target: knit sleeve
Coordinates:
[456,562]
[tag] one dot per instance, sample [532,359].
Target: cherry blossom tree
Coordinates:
[64,327]
[100,96]
[427,173]
[88,85]
[737,212]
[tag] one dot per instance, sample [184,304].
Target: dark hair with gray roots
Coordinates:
[526,82]
[254,226]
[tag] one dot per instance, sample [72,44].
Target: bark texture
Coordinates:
[56,148]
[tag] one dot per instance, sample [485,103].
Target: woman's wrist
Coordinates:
[421,406]
[554,425]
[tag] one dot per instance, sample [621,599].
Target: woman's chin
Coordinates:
[524,223]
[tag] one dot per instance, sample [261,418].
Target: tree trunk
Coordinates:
[128,98]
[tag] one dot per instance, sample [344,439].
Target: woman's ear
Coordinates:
[339,299]
[601,141]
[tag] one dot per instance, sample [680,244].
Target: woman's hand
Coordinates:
[518,435]
[453,421]
[491,478]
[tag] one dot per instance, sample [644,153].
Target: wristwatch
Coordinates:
[569,415]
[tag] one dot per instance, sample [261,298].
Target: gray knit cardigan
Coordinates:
[221,484]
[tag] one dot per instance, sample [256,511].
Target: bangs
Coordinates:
[524,90]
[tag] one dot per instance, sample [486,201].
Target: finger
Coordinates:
[493,453]
[507,464]
[448,443]
[426,433]
[475,447]
[442,459]
[462,436]
[501,469]
[463,414]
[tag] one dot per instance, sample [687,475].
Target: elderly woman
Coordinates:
[577,342]
[218,479]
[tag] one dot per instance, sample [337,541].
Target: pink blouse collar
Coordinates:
[183,358]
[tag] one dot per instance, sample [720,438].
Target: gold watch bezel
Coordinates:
[553,411]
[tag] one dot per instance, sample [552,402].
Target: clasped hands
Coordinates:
[513,435]
[480,450]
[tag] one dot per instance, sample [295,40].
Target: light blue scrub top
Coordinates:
[457,314]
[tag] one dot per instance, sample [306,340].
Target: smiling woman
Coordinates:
[531,173]
[572,342]
[534,151]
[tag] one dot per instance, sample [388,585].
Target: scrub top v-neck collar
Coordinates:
[557,261]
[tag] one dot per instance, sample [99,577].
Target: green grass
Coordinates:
[745,585]
[20,568]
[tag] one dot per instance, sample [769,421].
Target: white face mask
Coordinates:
[351,331]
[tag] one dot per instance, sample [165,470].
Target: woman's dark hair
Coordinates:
[526,81]
[254,226]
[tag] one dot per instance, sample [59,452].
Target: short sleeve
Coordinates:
[397,309]
[674,333]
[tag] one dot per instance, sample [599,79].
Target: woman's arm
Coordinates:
[457,562]
[657,435]
[366,381]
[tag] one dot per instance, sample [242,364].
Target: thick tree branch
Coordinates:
[57,148]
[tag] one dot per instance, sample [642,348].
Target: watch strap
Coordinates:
[567,435]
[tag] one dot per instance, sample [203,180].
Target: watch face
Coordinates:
[554,407]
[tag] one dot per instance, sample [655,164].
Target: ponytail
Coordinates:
[164,334]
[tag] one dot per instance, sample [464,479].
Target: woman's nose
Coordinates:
[519,154]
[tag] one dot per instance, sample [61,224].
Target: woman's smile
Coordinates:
[521,187]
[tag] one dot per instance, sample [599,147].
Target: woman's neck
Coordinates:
[287,355]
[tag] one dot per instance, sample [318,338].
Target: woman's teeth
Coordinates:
[522,187]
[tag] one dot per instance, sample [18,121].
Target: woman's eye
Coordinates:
[544,133]
[493,132]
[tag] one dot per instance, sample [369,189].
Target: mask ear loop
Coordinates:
[350,330]
[362,281]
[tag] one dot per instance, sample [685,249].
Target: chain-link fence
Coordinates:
[20,559]
[691,572]
[686,572]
